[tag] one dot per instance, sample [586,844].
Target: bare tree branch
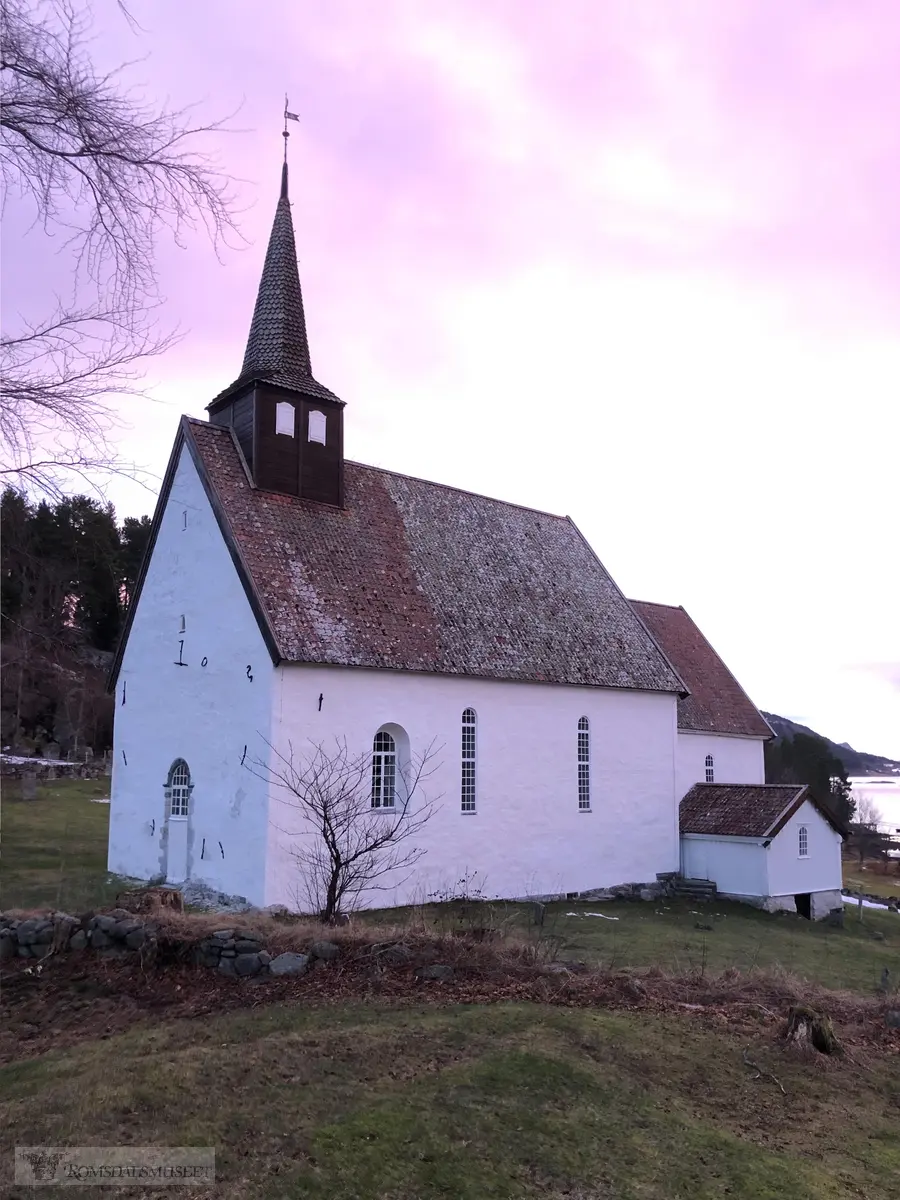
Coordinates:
[347,847]
[95,159]
[113,174]
[56,381]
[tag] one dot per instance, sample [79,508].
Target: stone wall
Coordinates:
[117,933]
[41,769]
[659,888]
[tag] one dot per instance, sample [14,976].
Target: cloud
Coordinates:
[885,672]
[635,262]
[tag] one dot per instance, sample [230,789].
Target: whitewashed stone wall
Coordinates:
[736,759]
[527,835]
[205,712]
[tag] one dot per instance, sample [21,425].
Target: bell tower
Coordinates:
[289,427]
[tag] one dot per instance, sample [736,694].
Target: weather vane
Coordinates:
[288,116]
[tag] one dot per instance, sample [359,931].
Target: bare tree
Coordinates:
[57,379]
[112,174]
[346,846]
[867,812]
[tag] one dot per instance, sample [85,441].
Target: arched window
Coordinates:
[710,769]
[803,841]
[467,785]
[584,765]
[284,418]
[384,771]
[316,426]
[178,789]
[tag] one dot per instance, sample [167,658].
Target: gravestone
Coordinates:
[51,750]
[29,786]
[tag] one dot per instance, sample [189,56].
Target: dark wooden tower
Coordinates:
[290,427]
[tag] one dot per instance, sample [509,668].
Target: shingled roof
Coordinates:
[277,347]
[416,576]
[717,703]
[745,810]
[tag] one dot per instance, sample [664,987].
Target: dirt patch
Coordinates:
[79,997]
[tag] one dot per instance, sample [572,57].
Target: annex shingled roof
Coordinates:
[417,576]
[744,810]
[717,703]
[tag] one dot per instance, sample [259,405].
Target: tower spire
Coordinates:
[277,346]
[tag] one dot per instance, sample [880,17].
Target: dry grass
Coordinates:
[374,1101]
[517,1079]
[516,964]
[876,879]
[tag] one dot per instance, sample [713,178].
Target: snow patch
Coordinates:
[866,903]
[19,760]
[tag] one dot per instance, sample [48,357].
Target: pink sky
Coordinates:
[634,262]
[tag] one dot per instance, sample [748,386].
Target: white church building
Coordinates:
[290,599]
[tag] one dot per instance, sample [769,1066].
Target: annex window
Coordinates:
[316,428]
[284,418]
[803,841]
[467,784]
[710,769]
[384,771]
[584,765]
[178,789]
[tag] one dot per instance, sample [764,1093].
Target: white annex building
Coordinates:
[290,599]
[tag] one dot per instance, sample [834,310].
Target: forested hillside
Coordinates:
[854,762]
[67,571]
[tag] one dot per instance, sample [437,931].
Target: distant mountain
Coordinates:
[855,761]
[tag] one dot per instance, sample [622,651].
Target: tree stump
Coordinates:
[806,1028]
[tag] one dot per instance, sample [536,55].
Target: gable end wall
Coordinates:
[820,871]
[204,714]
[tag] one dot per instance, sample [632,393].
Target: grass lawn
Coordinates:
[55,856]
[54,847]
[413,1101]
[665,934]
[469,1102]
[871,878]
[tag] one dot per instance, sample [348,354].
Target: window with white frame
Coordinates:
[316,426]
[284,418]
[803,841]
[710,769]
[384,771]
[467,785]
[584,765]
[178,789]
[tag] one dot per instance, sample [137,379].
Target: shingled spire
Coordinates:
[289,427]
[278,348]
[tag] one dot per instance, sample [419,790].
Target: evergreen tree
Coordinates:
[67,574]
[806,759]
